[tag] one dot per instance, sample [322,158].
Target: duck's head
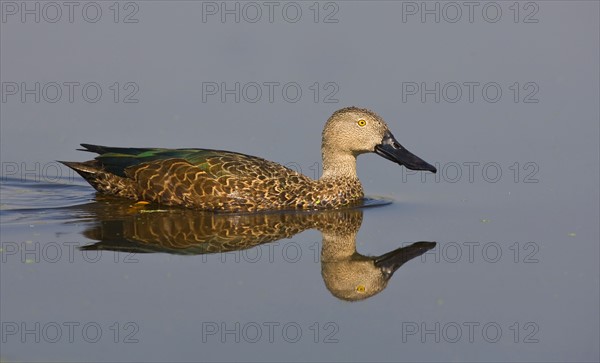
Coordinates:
[356,131]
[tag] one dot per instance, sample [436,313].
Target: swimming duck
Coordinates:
[225,181]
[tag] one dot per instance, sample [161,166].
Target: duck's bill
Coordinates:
[391,149]
[391,261]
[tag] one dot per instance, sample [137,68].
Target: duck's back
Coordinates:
[196,178]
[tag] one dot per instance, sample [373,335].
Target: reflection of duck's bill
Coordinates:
[391,149]
[391,261]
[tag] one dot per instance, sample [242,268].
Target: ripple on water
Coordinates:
[22,201]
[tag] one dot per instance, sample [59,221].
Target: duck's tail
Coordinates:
[86,169]
[102,180]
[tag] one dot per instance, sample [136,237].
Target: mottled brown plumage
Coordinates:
[215,180]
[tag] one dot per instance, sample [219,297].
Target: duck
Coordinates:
[226,181]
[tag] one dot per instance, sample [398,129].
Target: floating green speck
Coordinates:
[572,234]
[484,220]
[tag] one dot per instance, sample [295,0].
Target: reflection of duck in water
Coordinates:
[347,274]
[351,276]
[216,180]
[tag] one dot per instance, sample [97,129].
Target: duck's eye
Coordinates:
[361,123]
[360,288]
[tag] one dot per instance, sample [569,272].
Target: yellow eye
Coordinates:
[361,123]
[360,288]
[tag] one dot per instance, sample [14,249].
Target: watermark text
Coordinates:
[470,12]
[270,332]
[470,331]
[27,332]
[270,12]
[69,12]
[269,92]
[70,92]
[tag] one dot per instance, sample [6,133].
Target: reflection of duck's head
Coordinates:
[351,276]
[357,277]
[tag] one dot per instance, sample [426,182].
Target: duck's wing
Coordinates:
[215,163]
[196,178]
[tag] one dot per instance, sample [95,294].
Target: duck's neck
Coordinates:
[339,232]
[338,165]
[338,247]
[339,185]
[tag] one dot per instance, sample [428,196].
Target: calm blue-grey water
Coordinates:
[501,96]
